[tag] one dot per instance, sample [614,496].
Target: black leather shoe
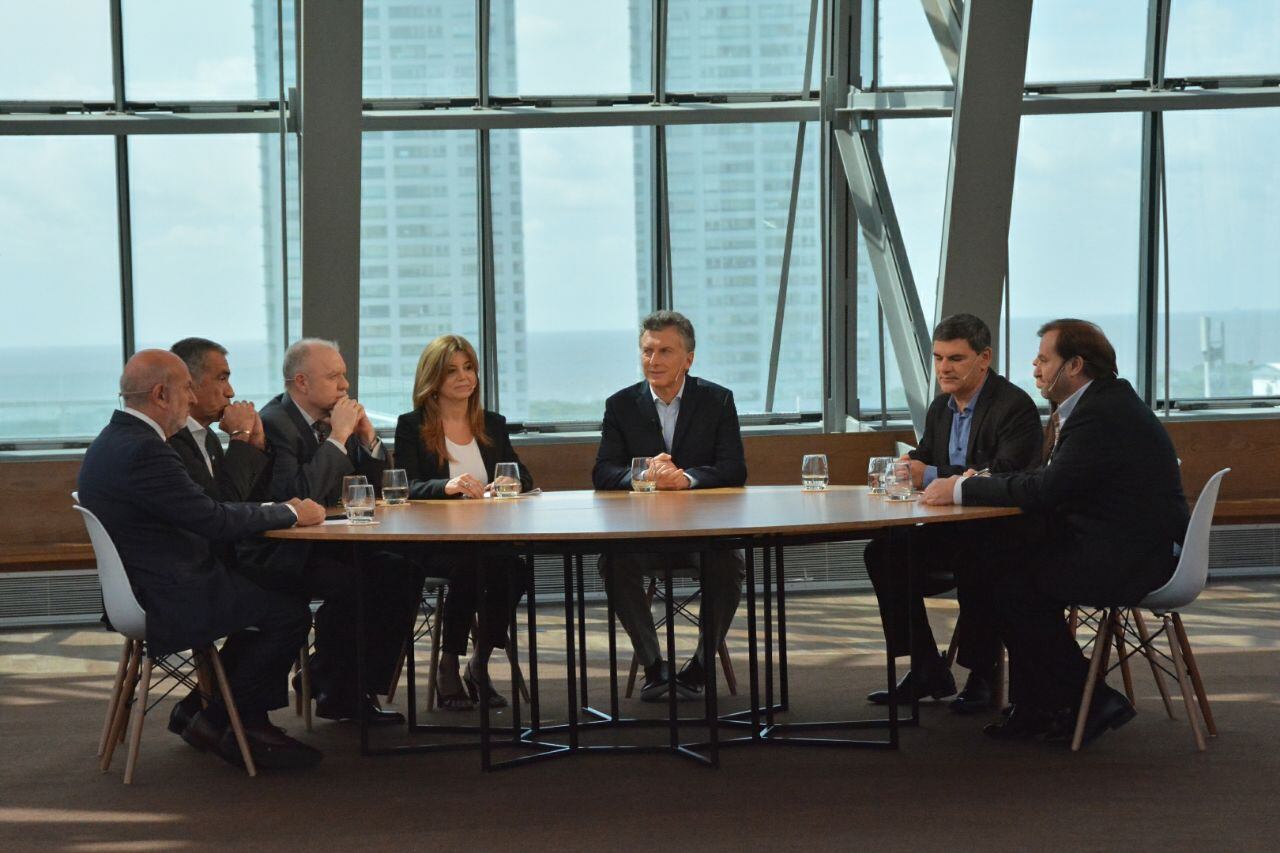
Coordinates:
[200,732]
[1023,721]
[345,709]
[975,697]
[271,749]
[1110,709]
[938,684]
[657,678]
[691,679]
[183,712]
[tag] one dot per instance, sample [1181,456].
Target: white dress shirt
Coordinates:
[668,414]
[198,432]
[148,421]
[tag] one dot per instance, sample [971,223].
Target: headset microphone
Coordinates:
[1056,377]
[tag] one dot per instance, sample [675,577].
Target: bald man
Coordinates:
[164,525]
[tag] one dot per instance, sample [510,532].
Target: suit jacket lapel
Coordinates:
[198,472]
[689,401]
[305,430]
[981,407]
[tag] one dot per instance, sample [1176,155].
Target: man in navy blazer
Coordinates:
[164,525]
[317,435]
[1105,520]
[689,427]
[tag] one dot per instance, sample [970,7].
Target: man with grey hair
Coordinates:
[317,435]
[689,427]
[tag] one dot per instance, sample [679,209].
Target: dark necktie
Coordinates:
[1051,437]
[213,447]
[322,428]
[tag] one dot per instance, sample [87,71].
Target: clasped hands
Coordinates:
[666,475]
[242,422]
[347,418]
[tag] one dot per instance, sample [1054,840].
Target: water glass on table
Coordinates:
[898,481]
[642,479]
[813,472]
[395,486]
[878,473]
[506,480]
[359,503]
[348,482]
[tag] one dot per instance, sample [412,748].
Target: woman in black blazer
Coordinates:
[449,446]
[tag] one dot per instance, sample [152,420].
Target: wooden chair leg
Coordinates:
[1101,647]
[117,687]
[1190,658]
[399,668]
[135,724]
[1073,620]
[304,681]
[227,699]
[434,668]
[953,648]
[1117,631]
[1184,682]
[726,665]
[1145,636]
[122,707]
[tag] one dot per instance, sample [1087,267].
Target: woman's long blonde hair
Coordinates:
[433,366]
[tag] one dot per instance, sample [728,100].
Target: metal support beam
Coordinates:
[124,217]
[984,151]
[488,289]
[945,18]
[887,255]
[329,153]
[663,295]
[1149,207]
[840,62]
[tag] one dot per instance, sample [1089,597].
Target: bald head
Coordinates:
[315,375]
[156,382]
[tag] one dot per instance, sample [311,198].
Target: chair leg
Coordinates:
[122,707]
[1117,630]
[1184,682]
[433,669]
[227,699]
[304,681]
[1101,647]
[117,687]
[1201,696]
[953,648]
[135,725]
[1145,636]
[726,665]
[517,674]
[1000,690]
[399,667]
[1073,620]
[635,659]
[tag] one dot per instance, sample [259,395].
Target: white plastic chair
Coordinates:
[131,686]
[1182,588]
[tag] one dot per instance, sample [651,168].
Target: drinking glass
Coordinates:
[506,480]
[642,474]
[877,468]
[395,486]
[348,482]
[359,503]
[898,481]
[813,472]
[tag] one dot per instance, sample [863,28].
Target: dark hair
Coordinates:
[966,326]
[659,320]
[193,352]
[1086,340]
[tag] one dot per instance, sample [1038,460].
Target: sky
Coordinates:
[1077,183]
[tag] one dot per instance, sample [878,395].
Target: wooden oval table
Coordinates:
[576,523]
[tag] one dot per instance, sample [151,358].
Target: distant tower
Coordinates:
[1214,354]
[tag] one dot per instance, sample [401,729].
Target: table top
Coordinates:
[601,516]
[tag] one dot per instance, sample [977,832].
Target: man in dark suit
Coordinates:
[689,427]
[163,526]
[1106,517]
[980,421]
[317,435]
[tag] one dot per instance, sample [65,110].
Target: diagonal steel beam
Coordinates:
[945,18]
[860,155]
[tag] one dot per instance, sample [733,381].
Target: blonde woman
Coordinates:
[449,446]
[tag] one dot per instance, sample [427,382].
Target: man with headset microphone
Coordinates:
[980,420]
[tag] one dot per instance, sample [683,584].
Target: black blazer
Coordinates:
[237,471]
[428,473]
[707,442]
[1111,498]
[1005,434]
[163,524]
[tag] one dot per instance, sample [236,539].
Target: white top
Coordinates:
[198,432]
[466,459]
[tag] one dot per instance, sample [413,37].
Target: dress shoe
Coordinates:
[1024,721]
[271,749]
[657,678]
[975,697]
[183,712]
[345,708]
[938,684]
[200,732]
[1110,709]
[691,679]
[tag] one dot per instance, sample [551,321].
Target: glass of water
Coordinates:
[642,474]
[877,472]
[359,503]
[348,482]
[506,480]
[813,472]
[395,486]
[898,481]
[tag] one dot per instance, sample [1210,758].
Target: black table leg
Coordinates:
[482,636]
[582,632]
[569,652]
[710,648]
[672,718]
[782,631]
[535,720]
[360,650]
[613,646]
[768,637]
[752,660]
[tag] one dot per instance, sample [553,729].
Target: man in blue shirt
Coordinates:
[979,421]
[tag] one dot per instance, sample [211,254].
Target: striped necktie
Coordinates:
[1051,437]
